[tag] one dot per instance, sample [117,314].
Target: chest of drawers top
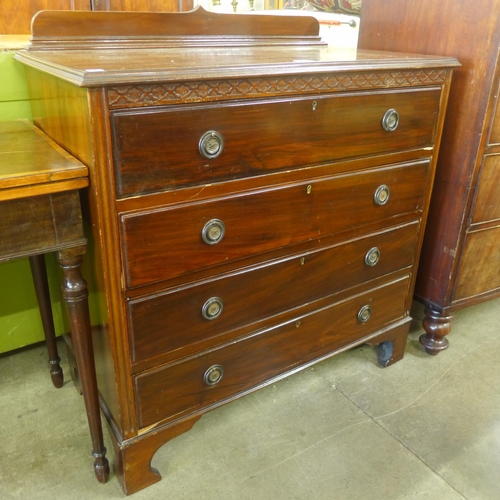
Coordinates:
[92,49]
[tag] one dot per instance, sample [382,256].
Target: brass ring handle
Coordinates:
[364,314]
[382,194]
[213,375]
[213,231]
[372,257]
[211,144]
[212,308]
[390,120]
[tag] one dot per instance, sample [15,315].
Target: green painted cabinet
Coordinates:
[14,99]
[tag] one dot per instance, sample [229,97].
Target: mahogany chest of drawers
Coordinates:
[256,202]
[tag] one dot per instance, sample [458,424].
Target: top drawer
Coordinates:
[164,147]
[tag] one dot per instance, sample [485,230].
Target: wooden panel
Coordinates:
[495,128]
[176,390]
[143,5]
[494,133]
[172,320]
[16,15]
[480,263]
[487,204]
[106,25]
[263,221]
[158,148]
[61,110]
[43,224]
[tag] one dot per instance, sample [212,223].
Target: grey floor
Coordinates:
[425,428]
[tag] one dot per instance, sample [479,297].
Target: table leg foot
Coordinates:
[56,373]
[101,466]
[436,325]
[39,273]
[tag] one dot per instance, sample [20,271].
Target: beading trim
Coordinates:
[218,90]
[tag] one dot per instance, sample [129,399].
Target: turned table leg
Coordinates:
[436,325]
[39,272]
[76,297]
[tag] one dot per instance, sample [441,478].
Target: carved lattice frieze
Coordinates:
[218,90]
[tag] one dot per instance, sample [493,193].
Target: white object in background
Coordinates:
[337,30]
[344,34]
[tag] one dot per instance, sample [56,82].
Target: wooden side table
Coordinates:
[41,213]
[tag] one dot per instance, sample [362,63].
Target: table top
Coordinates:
[32,164]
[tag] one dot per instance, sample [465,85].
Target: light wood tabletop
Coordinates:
[32,164]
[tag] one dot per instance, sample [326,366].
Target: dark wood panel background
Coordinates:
[16,15]
[144,5]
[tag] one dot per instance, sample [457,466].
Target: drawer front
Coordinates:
[162,244]
[159,148]
[185,387]
[170,321]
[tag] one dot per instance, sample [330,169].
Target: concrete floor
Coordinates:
[425,428]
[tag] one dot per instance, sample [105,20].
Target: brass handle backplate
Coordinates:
[212,308]
[372,257]
[213,375]
[390,120]
[211,144]
[364,314]
[213,231]
[382,194]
